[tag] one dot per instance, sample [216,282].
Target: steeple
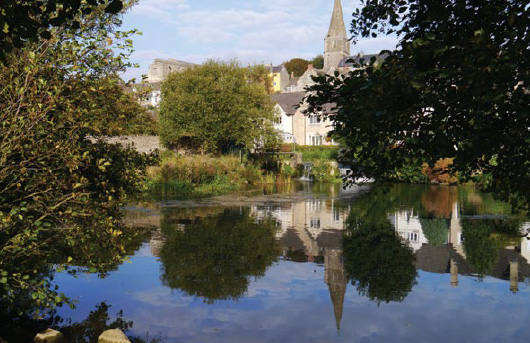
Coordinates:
[336,44]
[336,26]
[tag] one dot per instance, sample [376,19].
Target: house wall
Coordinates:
[280,80]
[320,129]
[286,124]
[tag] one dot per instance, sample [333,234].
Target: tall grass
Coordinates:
[199,176]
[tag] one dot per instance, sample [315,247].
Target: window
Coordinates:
[314,205]
[336,216]
[314,223]
[314,119]
[315,140]
[412,236]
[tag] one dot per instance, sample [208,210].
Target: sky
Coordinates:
[251,31]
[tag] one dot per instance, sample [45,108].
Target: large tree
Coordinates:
[456,86]
[61,186]
[215,107]
[23,21]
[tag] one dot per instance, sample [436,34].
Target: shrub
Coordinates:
[441,172]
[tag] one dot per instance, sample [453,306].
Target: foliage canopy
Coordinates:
[215,107]
[61,186]
[30,21]
[456,86]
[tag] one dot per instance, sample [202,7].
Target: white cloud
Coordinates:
[251,31]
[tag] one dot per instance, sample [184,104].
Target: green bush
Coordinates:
[407,174]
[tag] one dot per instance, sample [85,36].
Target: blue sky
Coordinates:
[252,31]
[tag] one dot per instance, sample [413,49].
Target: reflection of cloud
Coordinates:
[292,303]
[162,296]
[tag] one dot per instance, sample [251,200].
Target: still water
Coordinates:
[317,263]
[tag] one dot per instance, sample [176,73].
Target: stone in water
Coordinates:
[113,336]
[49,336]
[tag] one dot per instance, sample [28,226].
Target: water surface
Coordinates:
[319,264]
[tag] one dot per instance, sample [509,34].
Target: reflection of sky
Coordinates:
[292,303]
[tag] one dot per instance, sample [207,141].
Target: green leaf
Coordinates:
[114,7]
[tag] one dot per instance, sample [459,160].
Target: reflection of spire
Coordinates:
[514,276]
[336,279]
[454,273]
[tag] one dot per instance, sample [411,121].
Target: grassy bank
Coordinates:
[313,153]
[201,176]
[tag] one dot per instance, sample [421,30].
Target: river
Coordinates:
[316,263]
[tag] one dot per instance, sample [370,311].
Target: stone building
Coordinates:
[160,69]
[336,43]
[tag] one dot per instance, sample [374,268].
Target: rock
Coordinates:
[49,336]
[113,336]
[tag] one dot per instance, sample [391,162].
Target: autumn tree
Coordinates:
[456,86]
[296,66]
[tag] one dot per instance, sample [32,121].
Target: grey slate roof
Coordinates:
[293,81]
[277,69]
[289,102]
[349,61]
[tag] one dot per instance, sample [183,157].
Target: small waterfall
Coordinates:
[307,172]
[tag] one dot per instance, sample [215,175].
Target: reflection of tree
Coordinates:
[483,239]
[439,200]
[215,257]
[24,328]
[379,262]
[90,249]
[376,259]
[435,230]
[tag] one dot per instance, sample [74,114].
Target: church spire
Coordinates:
[336,26]
[336,43]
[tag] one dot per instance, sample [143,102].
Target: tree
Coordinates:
[215,107]
[456,86]
[297,66]
[29,21]
[261,75]
[61,185]
[318,62]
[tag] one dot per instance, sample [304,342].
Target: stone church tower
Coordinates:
[336,43]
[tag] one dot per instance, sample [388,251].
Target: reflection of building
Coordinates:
[408,227]
[311,231]
[336,279]
[512,263]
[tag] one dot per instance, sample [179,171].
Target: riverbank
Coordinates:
[197,176]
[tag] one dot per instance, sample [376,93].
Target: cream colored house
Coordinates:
[306,130]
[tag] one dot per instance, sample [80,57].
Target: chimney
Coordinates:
[310,67]
[292,74]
